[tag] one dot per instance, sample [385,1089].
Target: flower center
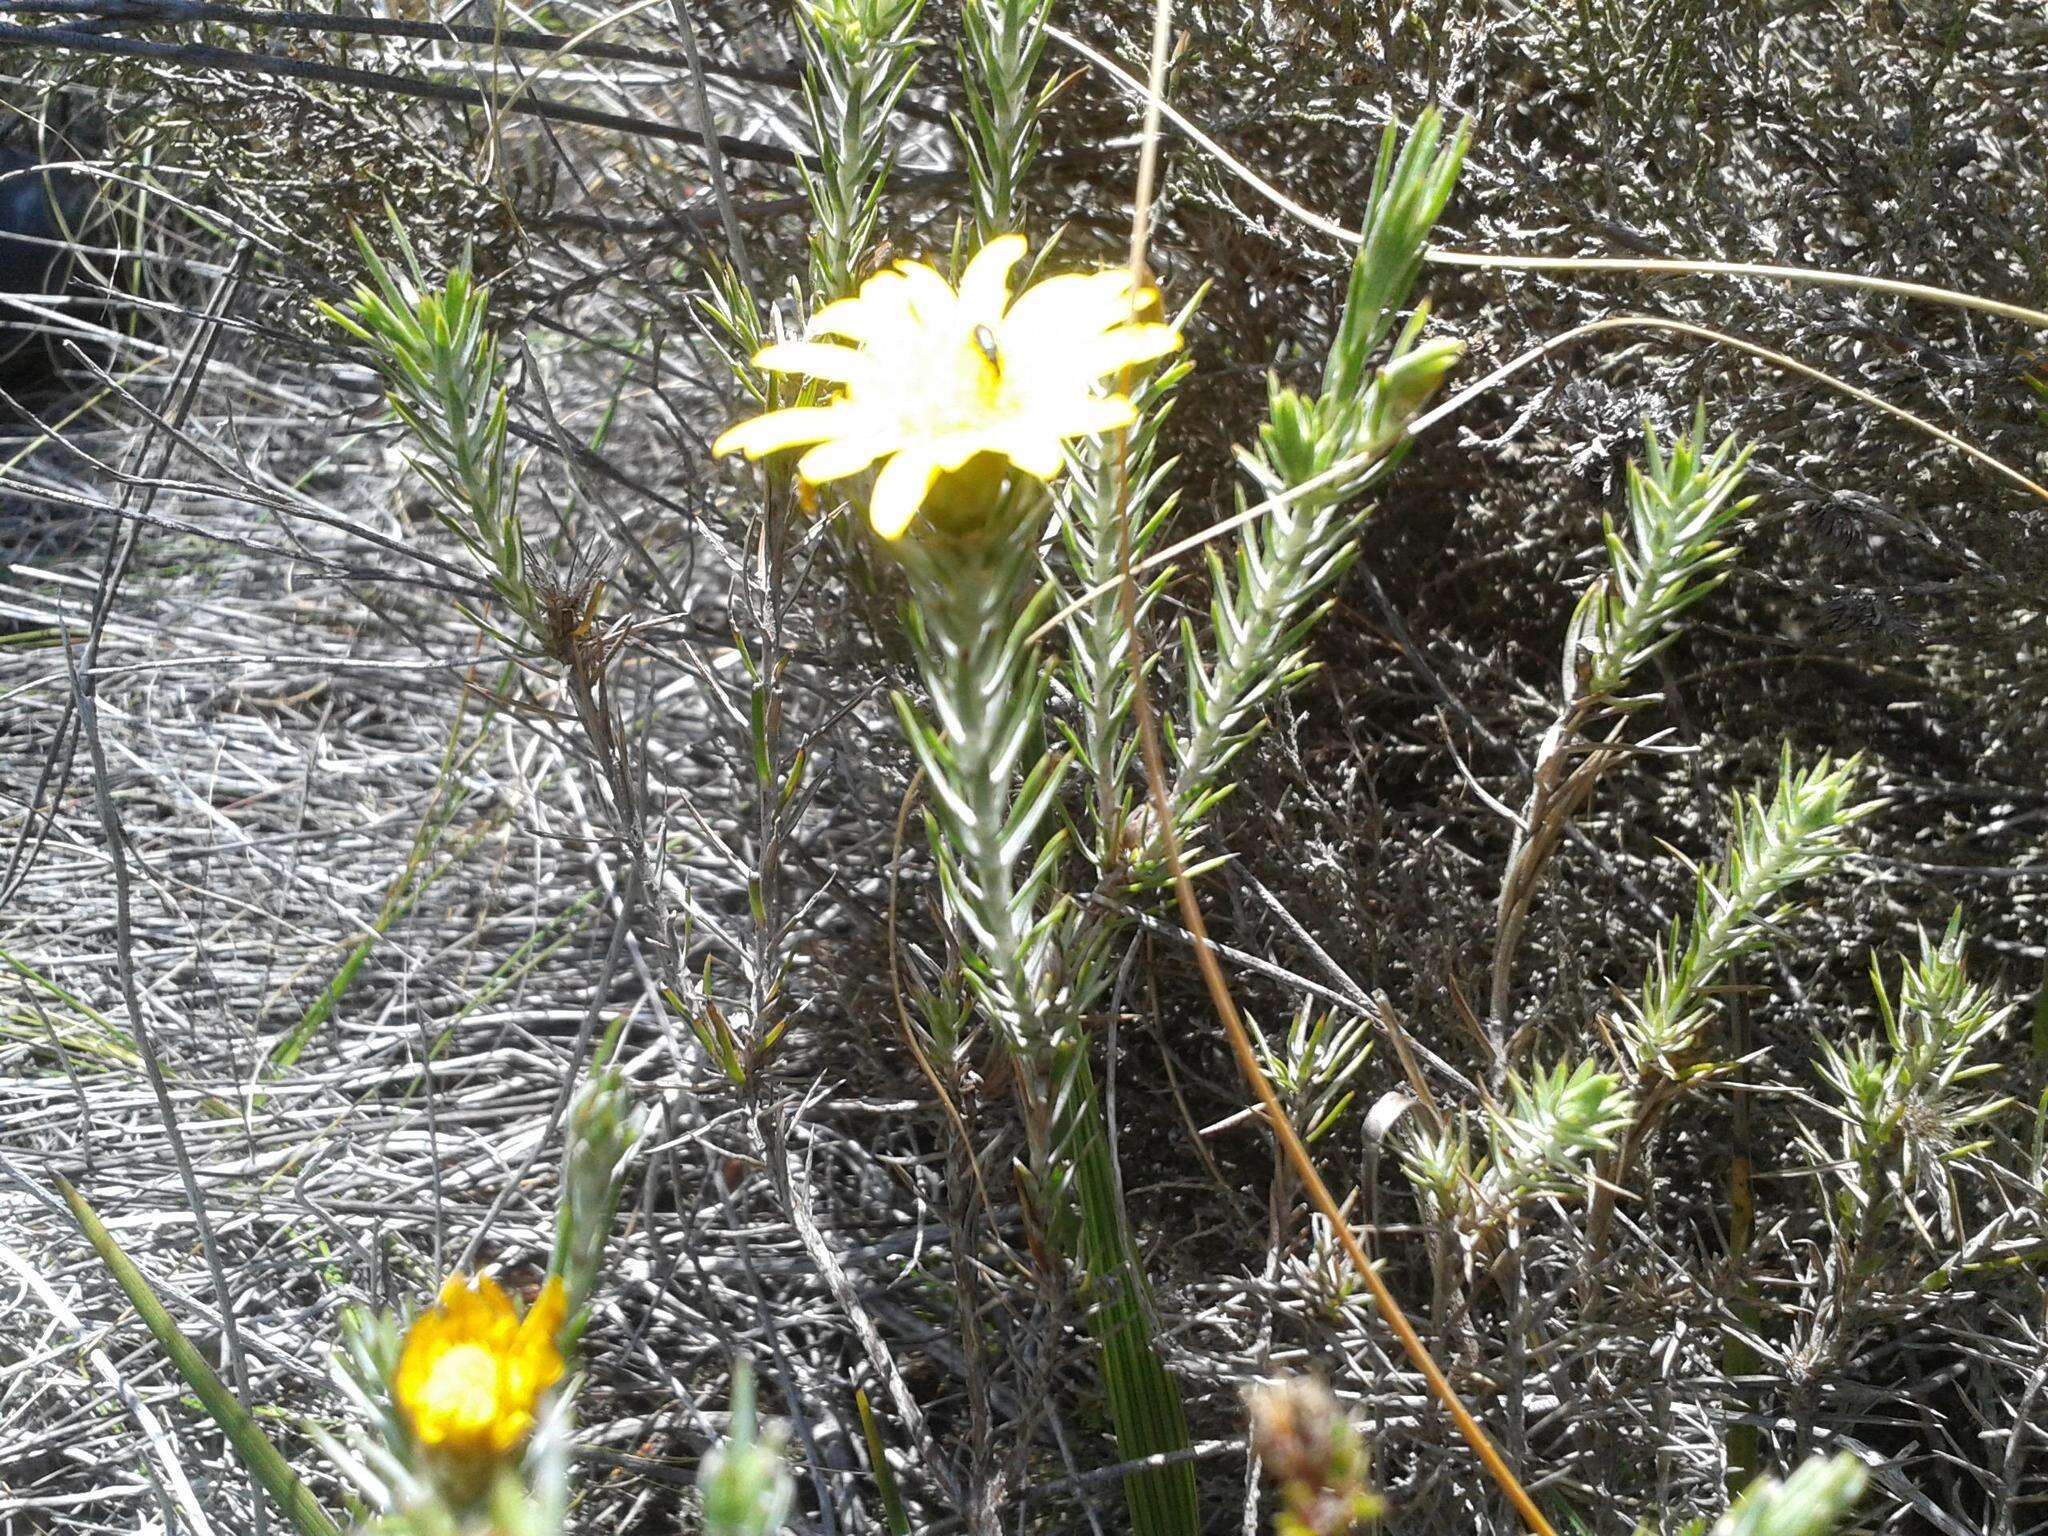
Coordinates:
[943,381]
[460,1392]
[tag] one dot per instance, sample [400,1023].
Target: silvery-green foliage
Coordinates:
[1904,1106]
[1035,962]
[1312,1066]
[991,783]
[1669,69]
[978,597]
[376,1457]
[1815,1499]
[603,1128]
[858,56]
[1681,503]
[1800,834]
[1439,1162]
[1314,457]
[1553,1125]
[370,1343]
[1002,42]
[1409,192]
[1542,1141]
[736,327]
[744,1480]
[438,357]
[1114,483]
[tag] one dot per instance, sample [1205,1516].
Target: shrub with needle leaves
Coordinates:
[1813,1501]
[1002,42]
[1553,1126]
[859,55]
[1115,503]
[968,396]
[744,1480]
[1904,1109]
[1015,507]
[1800,834]
[439,359]
[1543,1141]
[604,1128]
[1772,849]
[1315,456]
[1681,504]
[1312,1066]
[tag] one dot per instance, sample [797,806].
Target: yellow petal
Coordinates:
[1036,453]
[819,359]
[475,1310]
[985,285]
[550,1310]
[1129,345]
[491,1297]
[471,1372]
[929,297]
[881,309]
[508,1431]
[1049,363]
[900,490]
[535,1363]
[416,1359]
[1071,305]
[838,457]
[1090,416]
[950,450]
[778,430]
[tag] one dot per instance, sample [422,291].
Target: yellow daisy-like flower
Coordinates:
[472,1372]
[936,375]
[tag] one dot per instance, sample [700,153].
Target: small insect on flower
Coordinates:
[472,1373]
[936,375]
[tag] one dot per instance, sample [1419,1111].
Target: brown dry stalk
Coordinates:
[1290,1143]
[1293,1152]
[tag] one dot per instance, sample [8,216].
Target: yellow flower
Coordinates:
[471,1374]
[937,375]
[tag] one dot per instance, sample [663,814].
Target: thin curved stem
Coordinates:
[1292,1151]
[1819,276]
[1755,349]
[1450,406]
[234,61]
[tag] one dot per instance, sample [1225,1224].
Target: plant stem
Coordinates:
[977,598]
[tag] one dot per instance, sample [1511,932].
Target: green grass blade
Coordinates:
[263,1459]
[117,1044]
[1144,1402]
[885,1480]
[420,871]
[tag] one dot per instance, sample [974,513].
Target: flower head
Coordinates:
[936,374]
[1308,1446]
[472,1372]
